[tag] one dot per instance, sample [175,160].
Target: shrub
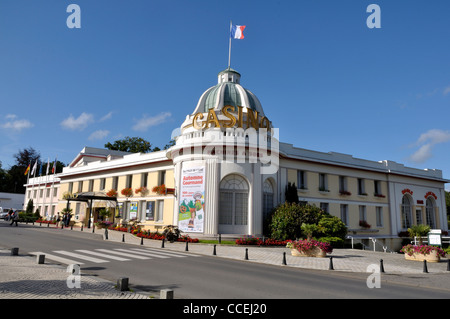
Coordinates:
[288,217]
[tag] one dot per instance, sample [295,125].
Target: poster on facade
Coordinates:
[192,200]
[133,210]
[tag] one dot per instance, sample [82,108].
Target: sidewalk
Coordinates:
[22,277]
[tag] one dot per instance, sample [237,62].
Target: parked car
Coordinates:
[4,213]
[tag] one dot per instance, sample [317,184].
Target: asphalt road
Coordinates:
[204,277]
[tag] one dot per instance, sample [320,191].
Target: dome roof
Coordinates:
[228,91]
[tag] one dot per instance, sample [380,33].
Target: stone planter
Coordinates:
[431,257]
[313,252]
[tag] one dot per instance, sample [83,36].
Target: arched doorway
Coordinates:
[233,205]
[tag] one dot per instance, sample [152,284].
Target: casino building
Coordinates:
[228,169]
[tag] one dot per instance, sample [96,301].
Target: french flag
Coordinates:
[237,31]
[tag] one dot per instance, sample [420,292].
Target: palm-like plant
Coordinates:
[419,231]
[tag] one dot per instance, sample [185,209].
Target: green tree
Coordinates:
[130,144]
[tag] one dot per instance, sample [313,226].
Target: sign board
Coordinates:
[192,200]
[434,237]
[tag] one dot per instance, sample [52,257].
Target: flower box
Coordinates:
[313,252]
[423,252]
[309,248]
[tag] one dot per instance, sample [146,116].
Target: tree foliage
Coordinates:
[292,221]
[130,144]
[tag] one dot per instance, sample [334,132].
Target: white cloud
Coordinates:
[98,135]
[79,123]
[106,117]
[15,124]
[426,142]
[446,90]
[147,122]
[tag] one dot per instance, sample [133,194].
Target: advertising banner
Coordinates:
[192,200]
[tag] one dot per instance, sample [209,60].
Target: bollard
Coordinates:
[62,226]
[284,258]
[330,267]
[448,265]
[106,233]
[186,249]
[142,241]
[425,268]
[246,253]
[162,244]
[214,250]
[220,238]
[48,224]
[93,228]
[81,227]
[381,265]
[40,223]
[166,294]
[40,259]
[14,251]
[123,238]
[122,284]
[71,227]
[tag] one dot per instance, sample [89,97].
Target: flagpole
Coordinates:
[229,46]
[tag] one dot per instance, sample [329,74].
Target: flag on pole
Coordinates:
[54,167]
[48,166]
[33,171]
[237,31]
[28,169]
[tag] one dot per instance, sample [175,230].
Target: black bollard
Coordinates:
[214,250]
[246,253]
[220,238]
[123,238]
[62,226]
[381,265]
[330,267]
[162,244]
[106,233]
[81,227]
[187,249]
[284,258]
[425,268]
[15,251]
[93,228]
[48,224]
[448,265]
[142,240]
[71,227]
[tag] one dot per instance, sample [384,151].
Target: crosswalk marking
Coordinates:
[172,253]
[143,252]
[57,258]
[92,259]
[102,255]
[106,255]
[122,254]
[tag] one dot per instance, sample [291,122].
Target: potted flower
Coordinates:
[112,193]
[161,189]
[141,190]
[364,224]
[127,192]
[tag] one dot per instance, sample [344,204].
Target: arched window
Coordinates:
[406,212]
[267,198]
[233,205]
[430,212]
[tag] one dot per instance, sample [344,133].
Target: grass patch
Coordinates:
[224,242]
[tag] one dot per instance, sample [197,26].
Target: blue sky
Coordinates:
[137,68]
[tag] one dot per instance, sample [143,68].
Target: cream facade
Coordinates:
[227,170]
